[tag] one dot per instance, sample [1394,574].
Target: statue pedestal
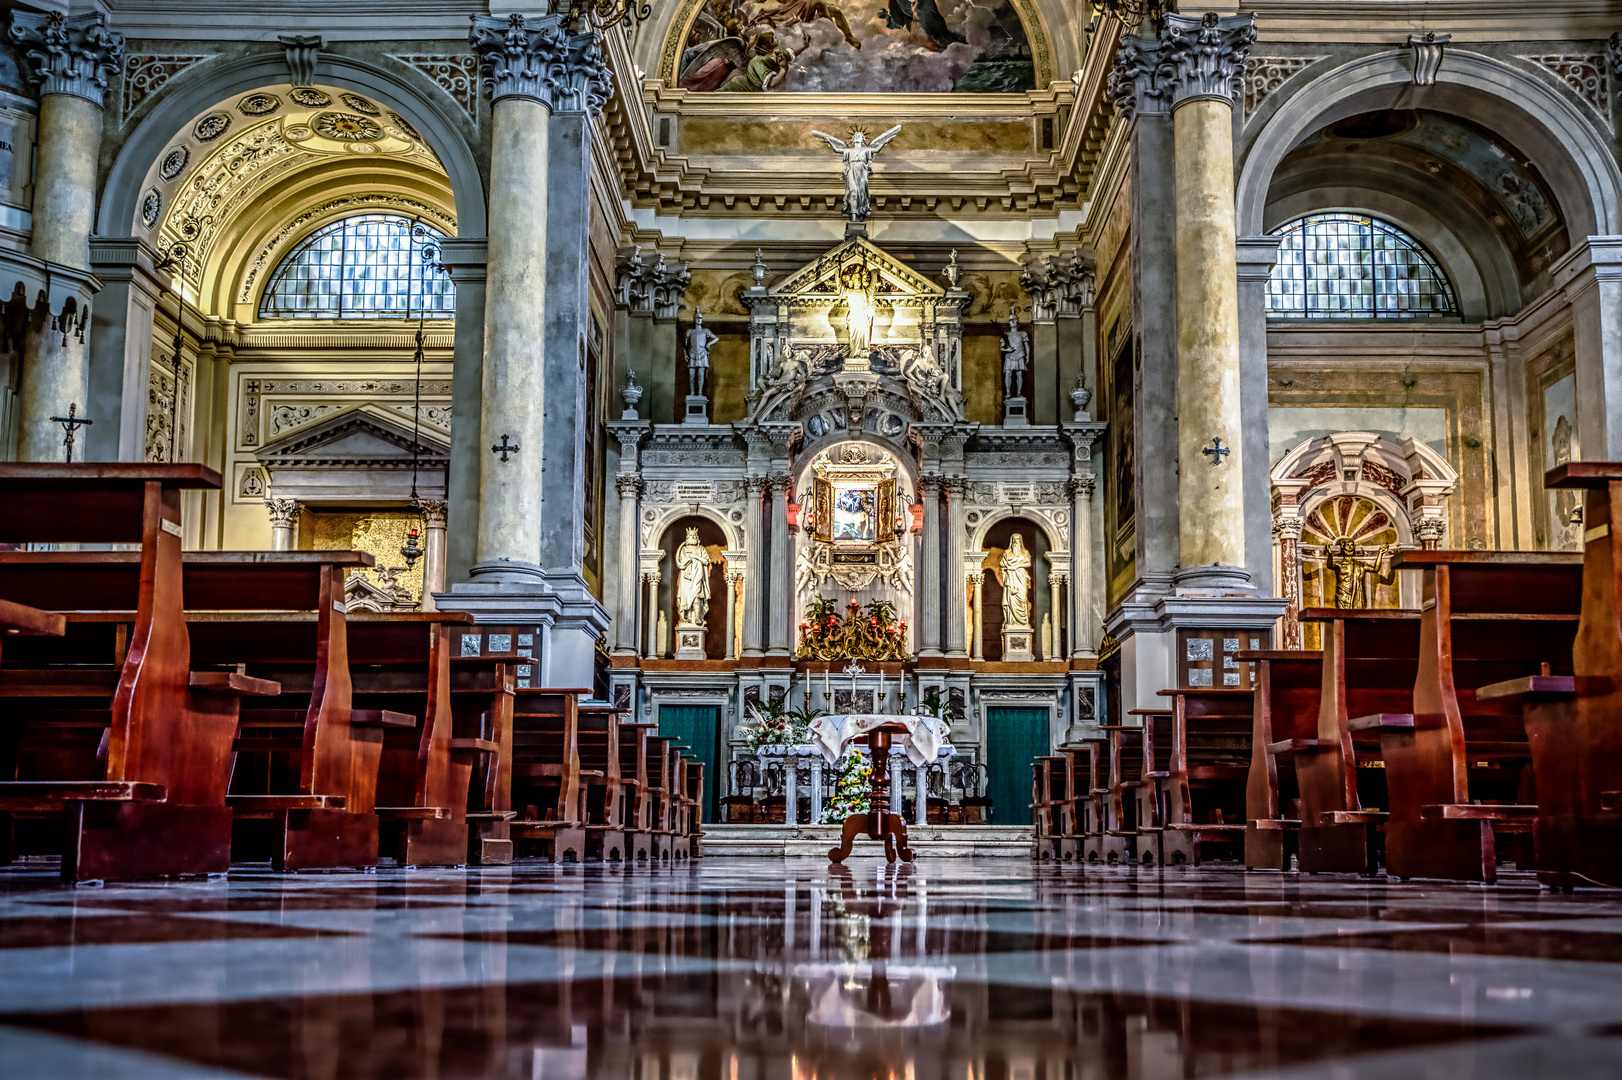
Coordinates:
[1016,644]
[1013,413]
[698,410]
[689,642]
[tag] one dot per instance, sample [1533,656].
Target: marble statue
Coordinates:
[858,155]
[858,283]
[699,340]
[692,581]
[1016,585]
[1016,355]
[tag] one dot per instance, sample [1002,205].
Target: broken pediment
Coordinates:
[360,455]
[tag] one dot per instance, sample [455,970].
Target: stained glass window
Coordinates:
[1352,266]
[364,267]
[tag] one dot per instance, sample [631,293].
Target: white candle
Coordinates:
[878,706]
[827,693]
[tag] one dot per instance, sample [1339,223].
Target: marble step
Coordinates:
[929,841]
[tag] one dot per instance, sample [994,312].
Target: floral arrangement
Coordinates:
[935,705]
[870,634]
[775,724]
[849,793]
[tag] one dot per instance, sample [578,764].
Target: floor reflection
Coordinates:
[762,970]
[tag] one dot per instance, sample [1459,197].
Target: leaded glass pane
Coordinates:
[1351,266]
[363,267]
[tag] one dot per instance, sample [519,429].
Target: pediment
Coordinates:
[821,277]
[354,438]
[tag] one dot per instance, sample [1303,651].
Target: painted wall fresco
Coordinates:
[857,46]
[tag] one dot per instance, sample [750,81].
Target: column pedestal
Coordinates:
[1017,645]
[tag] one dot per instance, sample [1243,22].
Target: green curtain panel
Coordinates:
[1013,738]
[696,727]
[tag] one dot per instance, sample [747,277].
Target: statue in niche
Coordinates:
[1348,570]
[1016,356]
[692,581]
[858,284]
[699,340]
[858,155]
[1016,585]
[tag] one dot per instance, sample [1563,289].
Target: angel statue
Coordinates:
[858,155]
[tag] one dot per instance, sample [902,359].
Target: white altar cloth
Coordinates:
[831,734]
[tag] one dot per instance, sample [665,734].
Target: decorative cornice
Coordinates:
[540,61]
[1203,59]
[68,55]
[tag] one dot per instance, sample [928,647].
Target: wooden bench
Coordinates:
[599,750]
[657,796]
[694,779]
[546,773]
[1574,721]
[634,813]
[1284,716]
[1207,762]
[1486,617]
[482,693]
[116,753]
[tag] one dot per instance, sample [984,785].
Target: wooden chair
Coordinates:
[117,754]
[1207,766]
[547,774]
[1454,770]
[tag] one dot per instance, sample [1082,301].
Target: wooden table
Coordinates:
[878,823]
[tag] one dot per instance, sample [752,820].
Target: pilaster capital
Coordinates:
[756,485]
[930,484]
[1203,58]
[1429,532]
[434,512]
[976,578]
[1256,256]
[1083,485]
[1060,578]
[954,486]
[781,482]
[283,512]
[1287,528]
[652,286]
[651,577]
[539,60]
[68,55]
[628,484]
[1131,85]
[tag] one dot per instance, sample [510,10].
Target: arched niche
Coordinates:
[993,541]
[713,537]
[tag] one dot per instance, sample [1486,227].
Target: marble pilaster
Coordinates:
[929,569]
[754,593]
[464,258]
[1083,632]
[782,569]
[977,582]
[629,487]
[956,542]
[1256,258]
[1592,279]
[119,360]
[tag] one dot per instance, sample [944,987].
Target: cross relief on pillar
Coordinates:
[73,55]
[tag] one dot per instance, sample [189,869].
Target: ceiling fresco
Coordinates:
[855,46]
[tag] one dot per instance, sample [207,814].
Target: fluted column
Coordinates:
[754,539]
[70,61]
[733,578]
[929,570]
[782,569]
[1205,59]
[629,487]
[977,579]
[1082,630]
[956,541]
[284,514]
[433,556]
[650,613]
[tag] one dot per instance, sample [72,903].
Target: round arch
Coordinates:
[1534,118]
[656,529]
[1058,537]
[902,455]
[197,90]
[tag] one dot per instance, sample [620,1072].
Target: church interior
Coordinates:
[954,539]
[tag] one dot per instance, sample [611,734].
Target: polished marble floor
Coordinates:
[757,969]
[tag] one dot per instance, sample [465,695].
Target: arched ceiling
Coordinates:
[270,166]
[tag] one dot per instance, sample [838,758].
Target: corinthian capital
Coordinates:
[283,512]
[540,60]
[1131,86]
[1204,58]
[68,55]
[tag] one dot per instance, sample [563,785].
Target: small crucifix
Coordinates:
[853,669]
[73,422]
[504,448]
[1217,451]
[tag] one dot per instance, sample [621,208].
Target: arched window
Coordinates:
[363,267]
[1352,266]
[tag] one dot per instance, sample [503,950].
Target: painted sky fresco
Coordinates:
[857,46]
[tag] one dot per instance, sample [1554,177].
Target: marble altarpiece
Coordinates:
[854,476]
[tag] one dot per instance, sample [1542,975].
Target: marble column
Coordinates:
[1083,632]
[433,557]
[284,515]
[929,569]
[782,569]
[754,539]
[629,487]
[733,579]
[1205,58]
[70,61]
[650,613]
[977,580]
[956,540]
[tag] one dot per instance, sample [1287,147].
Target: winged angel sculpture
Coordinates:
[858,155]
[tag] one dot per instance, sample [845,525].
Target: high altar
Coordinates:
[855,478]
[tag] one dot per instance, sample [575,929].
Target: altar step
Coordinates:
[813,841]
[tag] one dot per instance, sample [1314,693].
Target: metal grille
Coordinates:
[1351,266]
[363,267]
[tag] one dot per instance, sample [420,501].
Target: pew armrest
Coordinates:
[230,684]
[1530,688]
[413,813]
[23,796]
[1382,722]
[271,803]
[468,751]
[1207,828]
[381,718]
[1472,812]
[20,619]
[491,815]
[1271,824]
[1290,747]
[1353,817]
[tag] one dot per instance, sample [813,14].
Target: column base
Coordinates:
[557,602]
[1214,580]
[1016,644]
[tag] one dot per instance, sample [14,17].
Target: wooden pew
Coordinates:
[482,692]
[135,772]
[1093,788]
[546,772]
[1123,805]
[1076,804]
[1284,712]
[681,808]
[695,798]
[635,812]
[1487,617]
[1207,766]
[657,794]
[1574,722]
[1042,842]
[599,747]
